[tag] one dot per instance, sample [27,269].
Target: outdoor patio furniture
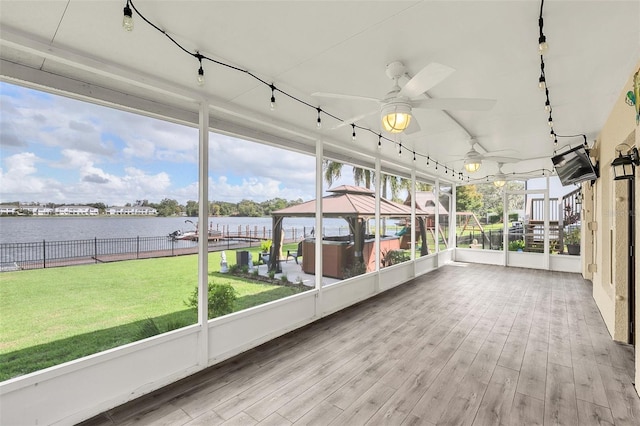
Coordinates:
[295,254]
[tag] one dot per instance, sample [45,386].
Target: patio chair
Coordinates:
[295,254]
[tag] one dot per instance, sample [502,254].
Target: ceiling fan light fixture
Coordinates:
[396,117]
[472,165]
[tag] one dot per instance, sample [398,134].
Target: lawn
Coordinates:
[49,316]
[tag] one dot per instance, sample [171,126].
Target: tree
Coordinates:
[168,207]
[192,208]
[468,199]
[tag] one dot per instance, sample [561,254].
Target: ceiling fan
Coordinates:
[473,159]
[396,106]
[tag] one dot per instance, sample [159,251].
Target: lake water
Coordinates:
[36,229]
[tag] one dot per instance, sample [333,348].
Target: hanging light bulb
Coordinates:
[273,98]
[550,122]
[414,156]
[319,122]
[379,142]
[200,78]
[542,82]
[400,149]
[427,161]
[127,20]
[555,142]
[543,46]
[353,134]
[552,134]
[547,106]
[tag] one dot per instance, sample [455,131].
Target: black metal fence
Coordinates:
[48,254]
[489,240]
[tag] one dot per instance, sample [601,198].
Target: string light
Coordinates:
[552,135]
[200,78]
[127,19]
[128,22]
[542,39]
[550,122]
[400,149]
[542,82]
[273,98]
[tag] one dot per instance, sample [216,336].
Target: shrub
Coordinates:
[284,278]
[516,245]
[271,274]
[222,298]
[265,246]
[357,268]
[393,257]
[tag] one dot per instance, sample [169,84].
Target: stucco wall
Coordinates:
[606,213]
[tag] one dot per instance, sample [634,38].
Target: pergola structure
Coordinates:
[322,66]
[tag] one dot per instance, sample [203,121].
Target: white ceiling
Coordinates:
[305,47]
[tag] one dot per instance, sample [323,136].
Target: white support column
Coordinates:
[318,231]
[547,211]
[203,240]
[413,217]
[505,228]
[377,219]
[437,216]
[453,220]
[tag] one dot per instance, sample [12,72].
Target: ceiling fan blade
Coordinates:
[499,159]
[352,120]
[426,78]
[343,96]
[414,127]
[460,104]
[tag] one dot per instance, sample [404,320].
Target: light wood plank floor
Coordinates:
[463,345]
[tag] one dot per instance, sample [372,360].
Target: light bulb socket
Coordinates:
[353,132]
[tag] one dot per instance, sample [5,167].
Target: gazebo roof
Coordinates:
[347,200]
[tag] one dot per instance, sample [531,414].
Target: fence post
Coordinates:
[138,247]
[44,254]
[95,249]
[173,243]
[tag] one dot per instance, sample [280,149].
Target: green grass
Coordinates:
[49,316]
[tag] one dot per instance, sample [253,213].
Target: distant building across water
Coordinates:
[73,210]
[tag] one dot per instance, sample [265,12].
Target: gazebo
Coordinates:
[354,204]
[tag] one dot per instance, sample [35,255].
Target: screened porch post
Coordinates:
[377,216]
[203,240]
[319,233]
[437,217]
[413,216]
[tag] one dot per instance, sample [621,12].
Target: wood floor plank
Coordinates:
[532,380]
[434,401]
[625,407]
[588,384]
[560,407]
[593,415]
[495,406]
[208,418]
[361,410]
[526,411]
[321,415]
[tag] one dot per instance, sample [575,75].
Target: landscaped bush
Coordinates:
[516,245]
[222,298]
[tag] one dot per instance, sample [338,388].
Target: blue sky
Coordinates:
[57,149]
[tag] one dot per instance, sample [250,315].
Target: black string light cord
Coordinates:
[200,57]
[543,84]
